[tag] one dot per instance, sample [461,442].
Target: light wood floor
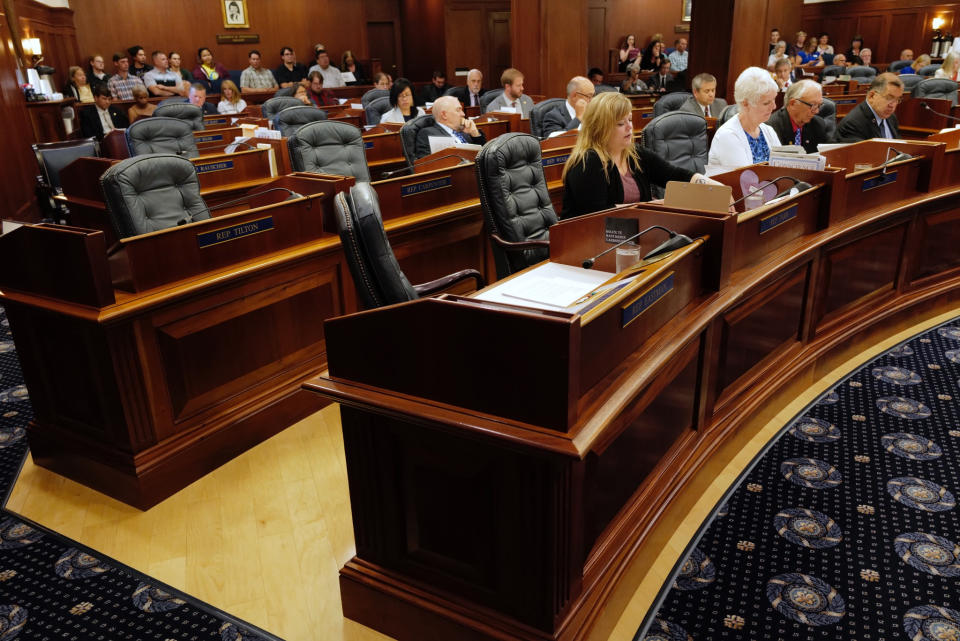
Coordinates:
[264,536]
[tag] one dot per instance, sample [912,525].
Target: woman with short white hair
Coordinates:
[745,139]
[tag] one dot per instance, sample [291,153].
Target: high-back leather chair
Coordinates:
[670,102]
[375,110]
[160,135]
[376,274]
[539,111]
[183,111]
[516,204]
[372,95]
[728,112]
[329,147]
[833,71]
[603,89]
[911,80]
[897,65]
[936,88]
[489,97]
[679,137]
[52,157]
[152,192]
[861,71]
[927,71]
[828,111]
[275,105]
[408,135]
[290,119]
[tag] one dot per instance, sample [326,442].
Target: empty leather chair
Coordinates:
[670,102]
[152,192]
[727,113]
[372,95]
[376,274]
[897,65]
[329,147]
[290,119]
[52,157]
[159,135]
[184,111]
[603,89]
[833,71]
[516,204]
[828,111]
[489,97]
[275,105]
[539,111]
[283,91]
[679,137]
[910,81]
[861,71]
[408,135]
[943,88]
[928,71]
[375,110]
[175,100]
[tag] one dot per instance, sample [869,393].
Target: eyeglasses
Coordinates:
[890,100]
[814,108]
[588,96]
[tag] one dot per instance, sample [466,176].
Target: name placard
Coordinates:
[214,121]
[209,167]
[413,189]
[368,144]
[778,218]
[647,114]
[210,138]
[632,310]
[241,230]
[879,181]
[845,101]
[555,160]
[617,230]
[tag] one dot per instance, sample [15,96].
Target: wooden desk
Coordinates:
[917,122]
[641,118]
[46,118]
[847,102]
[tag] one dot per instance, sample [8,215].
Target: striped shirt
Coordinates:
[122,88]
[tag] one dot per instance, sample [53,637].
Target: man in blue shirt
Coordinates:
[678,57]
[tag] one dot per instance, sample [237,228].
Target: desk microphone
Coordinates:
[292,195]
[901,155]
[412,168]
[924,105]
[799,184]
[238,142]
[675,241]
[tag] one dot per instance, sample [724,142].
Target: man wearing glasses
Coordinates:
[873,118]
[566,116]
[797,122]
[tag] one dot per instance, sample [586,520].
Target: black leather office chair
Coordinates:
[897,65]
[833,71]
[408,135]
[275,105]
[679,137]
[489,97]
[828,111]
[538,113]
[376,273]
[183,111]
[329,147]
[670,102]
[516,204]
[943,88]
[152,192]
[288,120]
[928,71]
[376,109]
[911,80]
[159,135]
[52,157]
[862,73]
[604,89]
[372,95]
[284,92]
[728,112]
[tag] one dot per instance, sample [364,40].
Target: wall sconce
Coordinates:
[938,22]
[31,46]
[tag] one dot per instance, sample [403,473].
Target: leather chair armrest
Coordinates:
[440,284]
[527,244]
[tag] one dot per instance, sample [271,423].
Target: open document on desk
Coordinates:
[556,287]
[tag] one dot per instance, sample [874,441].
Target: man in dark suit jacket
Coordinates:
[470,95]
[797,121]
[438,86]
[873,118]
[704,101]
[451,123]
[566,116]
[660,80]
[93,119]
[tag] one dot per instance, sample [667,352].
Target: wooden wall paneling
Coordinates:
[559,49]
[498,34]
[709,53]
[642,19]
[466,44]
[599,40]
[424,38]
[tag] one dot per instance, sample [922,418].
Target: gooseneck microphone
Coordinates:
[799,184]
[292,195]
[901,155]
[675,241]
[924,105]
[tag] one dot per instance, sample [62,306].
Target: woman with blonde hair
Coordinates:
[607,167]
[949,67]
[77,86]
[230,100]
[916,65]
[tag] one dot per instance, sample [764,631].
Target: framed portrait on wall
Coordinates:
[687,9]
[235,14]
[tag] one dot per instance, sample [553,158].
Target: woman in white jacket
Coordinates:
[745,139]
[401,99]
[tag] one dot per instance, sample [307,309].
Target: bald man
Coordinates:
[567,116]
[451,123]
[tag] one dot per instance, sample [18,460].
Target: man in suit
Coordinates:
[103,117]
[797,122]
[662,78]
[451,123]
[438,86]
[873,118]
[512,97]
[704,101]
[566,116]
[470,94]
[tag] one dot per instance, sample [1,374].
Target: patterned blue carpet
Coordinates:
[846,526]
[54,588]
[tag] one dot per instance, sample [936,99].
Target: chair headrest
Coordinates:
[408,134]
[329,147]
[158,135]
[184,111]
[372,95]
[275,105]
[289,120]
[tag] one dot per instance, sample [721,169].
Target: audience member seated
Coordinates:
[77,87]
[513,97]
[856,46]
[874,118]
[661,80]
[679,56]
[319,97]
[916,65]
[331,75]
[779,53]
[97,74]
[469,94]
[208,72]
[704,102]
[567,116]
[840,60]
[907,54]
[607,167]
[653,57]
[290,72]
[230,100]
[632,84]
[866,57]
[348,64]
[121,83]
[438,86]
[797,122]
[301,95]
[595,75]
[139,58]
[783,74]
[774,40]
[746,139]
[382,81]
[823,44]
[809,57]
[948,69]
[256,77]
[175,60]
[141,107]
[103,118]
[628,52]
[401,99]
[450,123]
[799,44]
[162,81]
[198,97]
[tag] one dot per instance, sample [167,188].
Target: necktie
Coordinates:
[473,99]
[706,111]
[796,137]
[459,136]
